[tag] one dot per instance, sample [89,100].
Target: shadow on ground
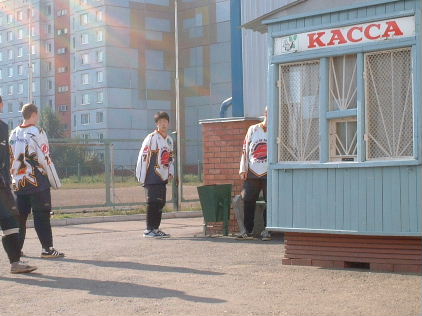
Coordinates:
[136,266]
[108,288]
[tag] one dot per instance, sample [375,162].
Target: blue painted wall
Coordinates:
[367,197]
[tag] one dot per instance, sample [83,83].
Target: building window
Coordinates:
[63,108]
[62,31]
[20,34]
[1,56]
[100,97]
[62,69]
[33,49]
[1,74]
[49,66]
[99,36]
[85,99]
[10,54]
[99,117]
[20,52]
[49,10]
[10,72]
[33,87]
[49,29]
[84,19]
[48,47]
[85,59]
[99,16]
[50,103]
[10,107]
[61,51]
[49,84]
[343,97]
[61,12]
[19,15]
[100,76]
[62,89]
[9,18]
[20,88]
[10,124]
[85,118]
[389,104]
[20,70]
[84,38]
[100,56]
[74,121]
[10,36]
[299,112]
[85,78]
[1,38]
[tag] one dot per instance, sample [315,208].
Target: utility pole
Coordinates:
[178,116]
[30,70]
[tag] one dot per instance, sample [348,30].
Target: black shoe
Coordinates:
[51,253]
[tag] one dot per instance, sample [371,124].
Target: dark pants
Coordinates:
[155,195]
[40,205]
[250,194]
[9,225]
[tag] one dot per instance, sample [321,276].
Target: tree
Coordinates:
[50,122]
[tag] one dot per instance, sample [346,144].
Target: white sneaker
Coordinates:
[265,235]
[21,267]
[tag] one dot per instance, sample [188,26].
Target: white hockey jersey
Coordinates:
[31,167]
[155,160]
[254,155]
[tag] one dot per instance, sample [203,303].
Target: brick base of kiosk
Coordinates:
[375,253]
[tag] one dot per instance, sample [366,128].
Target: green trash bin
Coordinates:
[215,202]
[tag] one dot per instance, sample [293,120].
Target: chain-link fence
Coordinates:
[100,174]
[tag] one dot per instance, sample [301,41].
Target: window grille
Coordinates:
[389,104]
[299,112]
[343,83]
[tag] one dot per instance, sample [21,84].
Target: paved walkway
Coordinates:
[111,270]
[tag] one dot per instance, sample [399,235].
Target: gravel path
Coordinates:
[111,270]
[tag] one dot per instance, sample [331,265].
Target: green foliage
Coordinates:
[50,122]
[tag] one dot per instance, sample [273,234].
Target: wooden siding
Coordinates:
[342,17]
[379,201]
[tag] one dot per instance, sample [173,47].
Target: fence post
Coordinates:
[79,172]
[108,170]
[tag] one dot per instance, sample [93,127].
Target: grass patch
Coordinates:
[114,212]
[98,181]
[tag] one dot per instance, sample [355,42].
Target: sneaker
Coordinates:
[149,234]
[244,236]
[21,267]
[51,253]
[265,235]
[160,234]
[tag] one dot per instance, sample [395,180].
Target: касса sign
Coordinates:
[349,35]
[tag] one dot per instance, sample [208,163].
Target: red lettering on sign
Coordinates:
[367,31]
[315,40]
[392,27]
[338,37]
[350,34]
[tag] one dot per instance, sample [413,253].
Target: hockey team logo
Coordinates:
[165,158]
[259,152]
[44,148]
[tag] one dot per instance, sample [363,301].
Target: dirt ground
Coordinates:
[111,270]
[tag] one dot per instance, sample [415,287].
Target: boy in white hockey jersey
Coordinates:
[154,170]
[33,173]
[253,170]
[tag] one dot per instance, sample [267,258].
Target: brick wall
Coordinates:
[223,141]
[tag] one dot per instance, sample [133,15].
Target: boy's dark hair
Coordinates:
[161,115]
[28,109]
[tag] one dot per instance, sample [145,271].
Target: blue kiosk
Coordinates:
[345,133]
